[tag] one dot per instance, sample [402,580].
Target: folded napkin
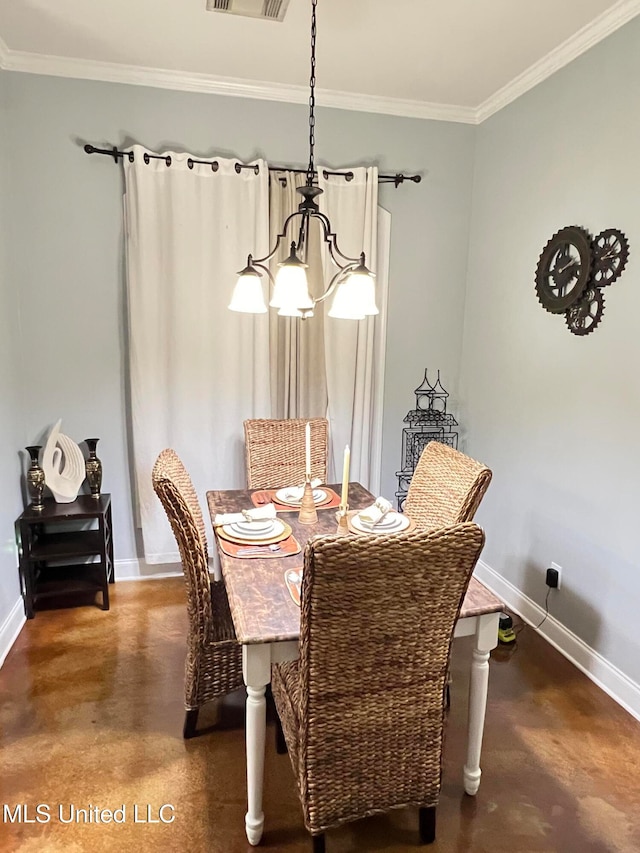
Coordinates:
[260,513]
[294,493]
[372,514]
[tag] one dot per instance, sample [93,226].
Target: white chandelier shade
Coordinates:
[355,297]
[247,296]
[291,288]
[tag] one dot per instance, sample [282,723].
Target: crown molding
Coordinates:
[394,106]
[111,72]
[602,26]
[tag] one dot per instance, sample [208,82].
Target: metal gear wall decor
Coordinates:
[572,269]
[610,254]
[563,269]
[585,314]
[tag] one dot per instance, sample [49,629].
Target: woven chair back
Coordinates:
[446,487]
[173,486]
[377,620]
[275,451]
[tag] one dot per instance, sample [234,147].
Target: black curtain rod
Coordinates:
[348,176]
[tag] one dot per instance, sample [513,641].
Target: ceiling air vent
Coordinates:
[270,10]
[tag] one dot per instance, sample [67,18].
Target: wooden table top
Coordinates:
[261,607]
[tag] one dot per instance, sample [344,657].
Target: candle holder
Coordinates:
[308,513]
[341,518]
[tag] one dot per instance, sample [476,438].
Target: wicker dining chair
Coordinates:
[362,708]
[446,487]
[275,451]
[214,657]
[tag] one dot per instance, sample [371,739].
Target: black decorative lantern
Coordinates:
[429,421]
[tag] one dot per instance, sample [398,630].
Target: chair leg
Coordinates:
[427,819]
[190,722]
[318,843]
[281,744]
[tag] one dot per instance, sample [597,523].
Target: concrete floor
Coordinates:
[91,716]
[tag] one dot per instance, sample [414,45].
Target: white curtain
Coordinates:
[197,370]
[354,349]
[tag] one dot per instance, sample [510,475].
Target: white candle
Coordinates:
[307,449]
[344,500]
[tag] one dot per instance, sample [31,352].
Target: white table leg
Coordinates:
[256,671]
[215,563]
[486,638]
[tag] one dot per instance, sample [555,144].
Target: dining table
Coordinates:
[267,624]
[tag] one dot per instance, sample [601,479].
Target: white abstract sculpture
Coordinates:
[63,466]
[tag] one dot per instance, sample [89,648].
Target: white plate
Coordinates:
[401,522]
[284,496]
[276,527]
[254,526]
[390,520]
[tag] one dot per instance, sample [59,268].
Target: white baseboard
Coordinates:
[10,629]
[603,673]
[139,570]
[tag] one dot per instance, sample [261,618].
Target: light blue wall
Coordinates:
[12,438]
[67,244]
[556,416]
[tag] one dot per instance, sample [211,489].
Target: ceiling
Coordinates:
[459,60]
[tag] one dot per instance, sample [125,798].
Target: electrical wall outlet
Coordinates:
[554,573]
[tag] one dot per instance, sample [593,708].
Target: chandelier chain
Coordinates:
[312,96]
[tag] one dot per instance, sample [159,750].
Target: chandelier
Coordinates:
[352,286]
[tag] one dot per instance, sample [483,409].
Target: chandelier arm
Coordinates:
[280,237]
[335,281]
[331,239]
[328,236]
[333,248]
[259,266]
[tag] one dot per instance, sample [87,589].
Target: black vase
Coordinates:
[93,467]
[35,478]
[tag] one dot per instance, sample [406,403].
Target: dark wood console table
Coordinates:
[55,544]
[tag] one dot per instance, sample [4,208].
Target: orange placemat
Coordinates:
[266,496]
[287,547]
